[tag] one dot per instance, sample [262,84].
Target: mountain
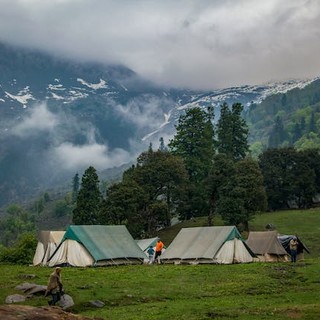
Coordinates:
[287,118]
[58,116]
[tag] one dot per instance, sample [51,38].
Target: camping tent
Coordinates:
[47,244]
[207,245]
[266,246]
[97,245]
[285,241]
[144,244]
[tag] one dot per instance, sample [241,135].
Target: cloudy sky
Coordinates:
[183,43]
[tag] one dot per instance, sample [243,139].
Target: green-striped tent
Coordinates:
[97,245]
[223,245]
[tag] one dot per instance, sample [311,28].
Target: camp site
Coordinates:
[186,289]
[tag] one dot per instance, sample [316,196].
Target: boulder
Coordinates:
[66,302]
[15,298]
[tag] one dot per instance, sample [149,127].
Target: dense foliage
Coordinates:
[291,177]
[148,194]
[21,252]
[287,119]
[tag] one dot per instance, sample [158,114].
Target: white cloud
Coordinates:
[145,112]
[38,119]
[93,154]
[198,44]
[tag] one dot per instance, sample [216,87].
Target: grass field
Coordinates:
[241,291]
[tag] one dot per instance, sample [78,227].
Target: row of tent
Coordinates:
[98,245]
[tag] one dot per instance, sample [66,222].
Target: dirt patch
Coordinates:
[13,312]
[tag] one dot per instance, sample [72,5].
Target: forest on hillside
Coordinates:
[286,119]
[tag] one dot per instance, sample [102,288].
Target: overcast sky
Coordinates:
[201,44]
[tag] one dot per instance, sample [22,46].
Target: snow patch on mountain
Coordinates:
[56,97]
[22,97]
[101,85]
[56,87]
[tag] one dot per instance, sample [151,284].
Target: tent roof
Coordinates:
[200,242]
[46,237]
[105,242]
[265,242]
[146,243]
[285,241]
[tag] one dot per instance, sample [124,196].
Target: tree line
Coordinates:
[205,170]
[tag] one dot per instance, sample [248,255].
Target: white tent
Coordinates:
[221,245]
[97,245]
[48,241]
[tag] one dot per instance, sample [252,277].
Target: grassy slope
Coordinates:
[304,223]
[243,291]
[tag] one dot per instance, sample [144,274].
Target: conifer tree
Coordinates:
[89,199]
[75,187]
[232,132]
[194,143]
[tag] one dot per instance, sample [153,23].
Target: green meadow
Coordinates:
[240,291]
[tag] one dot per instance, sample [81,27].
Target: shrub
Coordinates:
[21,252]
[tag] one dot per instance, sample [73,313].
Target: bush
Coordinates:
[22,252]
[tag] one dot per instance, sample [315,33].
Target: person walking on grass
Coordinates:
[54,287]
[159,247]
[293,249]
[150,252]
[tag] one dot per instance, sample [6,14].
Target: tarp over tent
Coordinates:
[48,241]
[266,246]
[97,245]
[285,241]
[223,245]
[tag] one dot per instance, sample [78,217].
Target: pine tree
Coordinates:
[89,199]
[162,146]
[278,134]
[194,143]
[312,123]
[75,187]
[232,132]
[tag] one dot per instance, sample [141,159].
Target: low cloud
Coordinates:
[146,113]
[183,43]
[75,157]
[38,120]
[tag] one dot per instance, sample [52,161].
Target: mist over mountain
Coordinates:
[57,117]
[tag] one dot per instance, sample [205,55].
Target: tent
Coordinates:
[266,246]
[285,241]
[223,245]
[47,244]
[144,244]
[97,245]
